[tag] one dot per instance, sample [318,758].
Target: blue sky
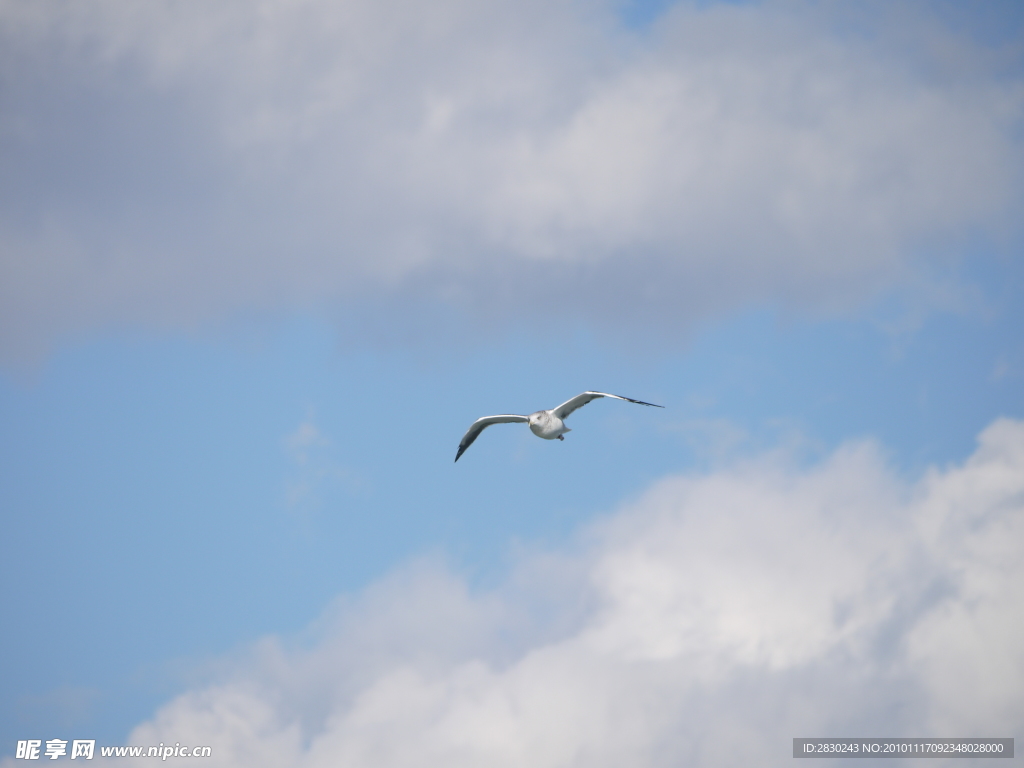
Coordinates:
[260,272]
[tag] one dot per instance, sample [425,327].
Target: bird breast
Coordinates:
[547,425]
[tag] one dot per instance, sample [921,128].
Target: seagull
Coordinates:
[547,424]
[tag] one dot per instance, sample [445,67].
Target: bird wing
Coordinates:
[579,401]
[480,425]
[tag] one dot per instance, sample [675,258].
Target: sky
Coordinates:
[262,264]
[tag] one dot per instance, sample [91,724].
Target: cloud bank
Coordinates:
[707,623]
[167,165]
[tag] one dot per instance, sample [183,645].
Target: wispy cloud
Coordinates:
[167,165]
[727,611]
[314,469]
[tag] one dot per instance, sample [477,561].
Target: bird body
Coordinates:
[549,425]
[545,424]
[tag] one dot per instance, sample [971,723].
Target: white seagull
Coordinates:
[547,424]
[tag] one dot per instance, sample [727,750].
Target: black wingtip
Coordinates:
[641,402]
[628,399]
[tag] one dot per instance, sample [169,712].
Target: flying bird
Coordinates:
[547,424]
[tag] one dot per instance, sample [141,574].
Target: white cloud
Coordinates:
[706,623]
[170,163]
